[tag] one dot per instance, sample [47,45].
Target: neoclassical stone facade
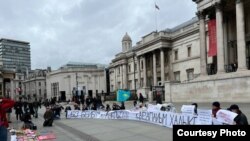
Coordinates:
[179,58]
[89,79]
[35,84]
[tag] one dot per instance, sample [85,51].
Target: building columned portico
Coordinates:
[232,29]
[192,59]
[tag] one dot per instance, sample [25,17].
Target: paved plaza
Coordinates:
[111,130]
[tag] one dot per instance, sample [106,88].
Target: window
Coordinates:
[177,76]
[190,74]
[129,68]
[135,67]
[176,55]
[39,83]
[189,51]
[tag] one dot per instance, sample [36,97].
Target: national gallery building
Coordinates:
[204,59]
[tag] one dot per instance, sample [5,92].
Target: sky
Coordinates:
[88,31]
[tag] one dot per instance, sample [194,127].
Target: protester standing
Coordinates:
[195,108]
[18,108]
[215,108]
[158,98]
[36,105]
[135,101]
[141,98]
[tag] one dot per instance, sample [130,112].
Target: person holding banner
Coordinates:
[195,108]
[241,118]
[215,108]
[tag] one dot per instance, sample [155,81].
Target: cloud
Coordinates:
[60,31]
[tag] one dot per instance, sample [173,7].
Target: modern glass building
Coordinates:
[15,55]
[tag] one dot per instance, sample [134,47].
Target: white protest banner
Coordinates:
[167,119]
[204,117]
[216,122]
[187,109]
[154,108]
[226,116]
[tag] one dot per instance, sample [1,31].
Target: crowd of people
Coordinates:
[240,119]
[25,110]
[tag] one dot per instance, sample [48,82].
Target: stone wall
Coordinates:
[234,89]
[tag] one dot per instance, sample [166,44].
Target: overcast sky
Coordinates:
[89,31]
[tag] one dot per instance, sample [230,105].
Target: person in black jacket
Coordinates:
[68,108]
[18,108]
[141,98]
[88,102]
[241,118]
[27,120]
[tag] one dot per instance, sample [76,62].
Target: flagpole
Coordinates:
[156,25]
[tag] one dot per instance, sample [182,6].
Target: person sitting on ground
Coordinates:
[77,107]
[68,108]
[84,107]
[142,107]
[27,119]
[241,118]
[48,117]
[215,108]
[108,108]
[195,108]
[116,107]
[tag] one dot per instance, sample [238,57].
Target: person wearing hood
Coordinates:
[241,118]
